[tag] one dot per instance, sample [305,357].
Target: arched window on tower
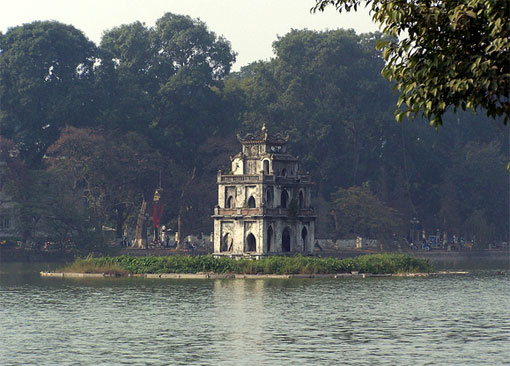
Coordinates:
[269,238]
[284,199]
[304,234]
[301,199]
[230,202]
[266,167]
[251,202]
[251,243]
[226,245]
[286,240]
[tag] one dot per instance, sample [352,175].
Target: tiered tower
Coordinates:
[264,202]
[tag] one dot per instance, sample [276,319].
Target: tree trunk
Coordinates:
[183,225]
[335,218]
[178,229]
[356,163]
[119,224]
[141,227]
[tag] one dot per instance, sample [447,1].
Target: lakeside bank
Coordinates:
[245,276]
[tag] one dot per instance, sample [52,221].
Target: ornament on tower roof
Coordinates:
[264,131]
[263,137]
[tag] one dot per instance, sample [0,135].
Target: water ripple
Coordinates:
[379,321]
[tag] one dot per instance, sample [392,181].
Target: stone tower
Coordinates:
[264,202]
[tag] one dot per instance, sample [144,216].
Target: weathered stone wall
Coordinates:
[261,192]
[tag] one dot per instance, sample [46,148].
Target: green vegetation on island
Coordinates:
[371,263]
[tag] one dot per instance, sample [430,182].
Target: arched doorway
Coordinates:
[269,238]
[304,234]
[226,243]
[286,240]
[284,199]
[230,202]
[251,243]
[301,199]
[251,202]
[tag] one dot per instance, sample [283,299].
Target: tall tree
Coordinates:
[450,53]
[358,212]
[169,77]
[334,114]
[46,82]
[480,193]
[325,89]
[115,173]
[169,89]
[135,83]
[46,203]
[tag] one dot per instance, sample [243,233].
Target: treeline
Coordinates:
[90,131]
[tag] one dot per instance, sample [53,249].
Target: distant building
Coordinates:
[264,203]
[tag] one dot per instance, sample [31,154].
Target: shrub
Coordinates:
[373,263]
[89,265]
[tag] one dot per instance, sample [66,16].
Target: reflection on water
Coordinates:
[374,321]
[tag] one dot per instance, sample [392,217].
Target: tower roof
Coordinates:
[263,137]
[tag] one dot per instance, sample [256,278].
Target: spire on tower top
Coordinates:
[264,131]
[263,137]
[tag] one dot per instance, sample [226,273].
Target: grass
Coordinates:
[90,265]
[372,263]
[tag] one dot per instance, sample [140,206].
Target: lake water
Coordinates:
[450,320]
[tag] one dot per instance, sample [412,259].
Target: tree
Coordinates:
[326,90]
[359,212]
[113,173]
[333,114]
[169,89]
[201,194]
[46,82]
[449,54]
[169,81]
[476,190]
[46,203]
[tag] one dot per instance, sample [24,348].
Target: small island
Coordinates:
[208,266]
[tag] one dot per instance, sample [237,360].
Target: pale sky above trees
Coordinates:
[250,25]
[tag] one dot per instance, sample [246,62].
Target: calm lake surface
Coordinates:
[450,320]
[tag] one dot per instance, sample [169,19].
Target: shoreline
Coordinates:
[243,276]
[434,256]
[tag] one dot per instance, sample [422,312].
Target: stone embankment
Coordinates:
[245,276]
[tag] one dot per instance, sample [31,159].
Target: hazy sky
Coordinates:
[250,25]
